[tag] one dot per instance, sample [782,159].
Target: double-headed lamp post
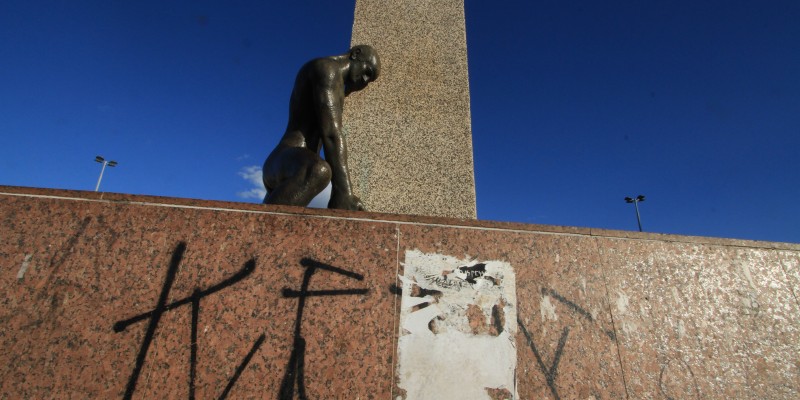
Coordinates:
[105,163]
[635,202]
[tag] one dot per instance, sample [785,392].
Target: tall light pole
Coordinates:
[636,204]
[105,163]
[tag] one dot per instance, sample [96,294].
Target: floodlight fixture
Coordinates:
[635,202]
[105,163]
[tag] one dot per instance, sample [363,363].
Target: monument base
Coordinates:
[120,296]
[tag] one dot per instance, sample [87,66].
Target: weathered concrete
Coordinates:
[99,286]
[409,135]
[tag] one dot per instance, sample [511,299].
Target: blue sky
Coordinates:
[575,104]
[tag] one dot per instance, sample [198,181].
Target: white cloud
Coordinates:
[321,201]
[252,174]
[254,193]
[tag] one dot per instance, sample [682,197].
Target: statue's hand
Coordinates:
[344,201]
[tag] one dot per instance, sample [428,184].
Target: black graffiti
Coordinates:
[416,291]
[161,307]
[683,365]
[550,373]
[576,308]
[473,272]
[395,290]
[242,366]
[294,376]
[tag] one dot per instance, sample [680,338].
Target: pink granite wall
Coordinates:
[117,296]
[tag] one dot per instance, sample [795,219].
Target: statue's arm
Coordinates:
[330,101]
[333,143]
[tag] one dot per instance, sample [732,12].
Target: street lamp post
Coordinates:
[635,202]
[105,163]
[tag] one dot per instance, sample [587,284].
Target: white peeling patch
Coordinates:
[622,303]
[745,269]
[629,327]
[750,304]
[25,263]
[681,329]
[676,296]
[458,321]
[547,309]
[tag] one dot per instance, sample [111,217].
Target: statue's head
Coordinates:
[365,66]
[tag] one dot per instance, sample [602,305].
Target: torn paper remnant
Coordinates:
[457,327]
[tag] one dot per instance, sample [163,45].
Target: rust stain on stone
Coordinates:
[499,394]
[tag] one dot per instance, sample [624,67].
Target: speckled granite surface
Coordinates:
[409,133]
[104,294]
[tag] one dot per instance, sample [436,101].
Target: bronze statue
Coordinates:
[294,172]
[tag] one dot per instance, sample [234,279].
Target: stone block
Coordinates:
[120,296]
[409,133]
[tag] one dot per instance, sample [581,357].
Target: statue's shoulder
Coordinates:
[320,68]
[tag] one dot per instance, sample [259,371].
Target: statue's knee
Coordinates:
[320,174]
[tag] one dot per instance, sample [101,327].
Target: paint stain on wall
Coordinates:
[456,328]
[547,309]
[24,268]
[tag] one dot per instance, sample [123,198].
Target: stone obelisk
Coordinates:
[409,136]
